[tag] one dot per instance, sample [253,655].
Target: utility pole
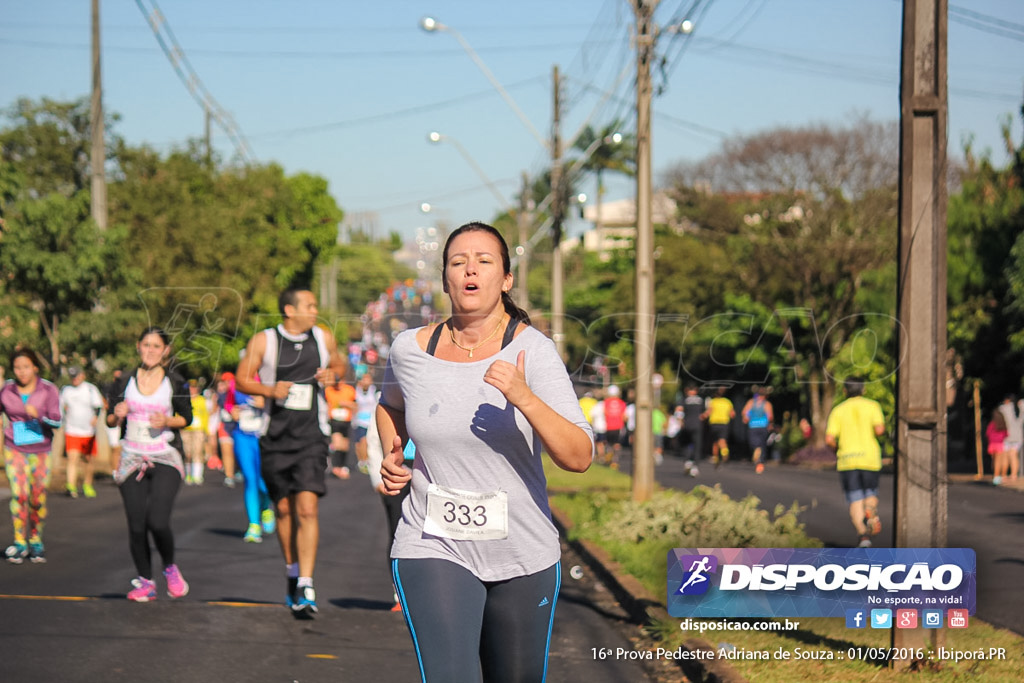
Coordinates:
[558,216]
[643,347]
[206,137]
[921,505]
[523,221]
[98,154]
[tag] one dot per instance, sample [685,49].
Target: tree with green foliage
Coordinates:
[62,274]
[808,218]
[985,284]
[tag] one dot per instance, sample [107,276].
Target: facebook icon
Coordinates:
[856,618]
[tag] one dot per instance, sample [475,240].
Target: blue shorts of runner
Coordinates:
[358,434]
[859,484]
[463,627]
[288,472]
[758,438]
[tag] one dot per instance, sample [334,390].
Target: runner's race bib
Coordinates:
[249,420]
[300,397]
[341,414]
[140,432]
[27,433]
[466,515]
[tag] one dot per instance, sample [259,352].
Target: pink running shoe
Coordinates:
[176,585]
[144,591]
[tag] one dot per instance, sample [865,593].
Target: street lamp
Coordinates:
[431,25]
[436,138]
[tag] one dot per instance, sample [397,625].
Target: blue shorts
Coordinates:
[859,484]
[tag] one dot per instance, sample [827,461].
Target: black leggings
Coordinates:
[147,504]
[468,630]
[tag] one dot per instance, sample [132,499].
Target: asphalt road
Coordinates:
[68,620]
[983,517]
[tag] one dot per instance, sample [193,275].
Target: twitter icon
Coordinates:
[881,618]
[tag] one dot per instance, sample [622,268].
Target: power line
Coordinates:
[377,118]
[987,23]
[164,35]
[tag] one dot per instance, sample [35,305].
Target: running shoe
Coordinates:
[16,553]
[36,552]
[144,591]
[254,534]
[176,585]
[293,587]
[215,463]
[759,468]
[873,524]
[397,607]
[996,481]
[88,490]
[229,482]
[341,472]
[865,542]
[305,600]
[71,492]
[269,521]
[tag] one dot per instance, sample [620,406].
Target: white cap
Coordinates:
[613,390]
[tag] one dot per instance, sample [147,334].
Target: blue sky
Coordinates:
[350,91]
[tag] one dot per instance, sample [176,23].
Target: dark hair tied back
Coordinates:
[517,314]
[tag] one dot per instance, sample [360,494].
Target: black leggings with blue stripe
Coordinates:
[467,630]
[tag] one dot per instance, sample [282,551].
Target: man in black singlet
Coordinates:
[289,365]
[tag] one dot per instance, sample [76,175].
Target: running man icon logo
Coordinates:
[696,580]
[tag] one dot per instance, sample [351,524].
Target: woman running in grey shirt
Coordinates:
[476,556]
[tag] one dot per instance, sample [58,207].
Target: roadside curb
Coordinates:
[642,607]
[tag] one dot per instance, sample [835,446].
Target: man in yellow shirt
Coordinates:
[719,414]
[853,429]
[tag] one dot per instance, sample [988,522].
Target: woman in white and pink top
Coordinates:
[150,407]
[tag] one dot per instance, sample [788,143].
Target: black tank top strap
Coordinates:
[510,332]
[434,338]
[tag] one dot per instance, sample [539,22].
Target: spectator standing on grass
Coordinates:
[1014,442]
[996,433]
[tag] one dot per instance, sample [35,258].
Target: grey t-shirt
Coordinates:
[468,437]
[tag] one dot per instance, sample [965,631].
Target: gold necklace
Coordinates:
[471,349]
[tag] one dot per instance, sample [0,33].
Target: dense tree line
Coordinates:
[198,247]
[780,269]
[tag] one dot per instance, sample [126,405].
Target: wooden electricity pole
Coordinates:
[523,223]
[921,393]
[643,346]
[557,225]
[98,154]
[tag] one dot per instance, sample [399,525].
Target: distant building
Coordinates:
[615,227]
